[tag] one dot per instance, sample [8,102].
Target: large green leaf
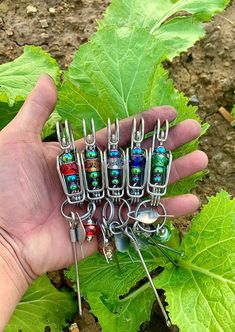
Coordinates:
[177,34]
[42,305]
[106,287]
[118,74]
[18,77]
[201,291]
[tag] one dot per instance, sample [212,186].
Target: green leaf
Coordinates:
[118,74]
[177,34]
[18,77]
[106,288]
[200,292]
[233,111]
[7,113]
[50,125]
[42,305]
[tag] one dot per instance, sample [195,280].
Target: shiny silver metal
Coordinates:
[67,144]
[145,215]
[156,191]
[128,231]
[133,191]
[90,141]
[108,246]
[114,192]
[77,236]
[137,136]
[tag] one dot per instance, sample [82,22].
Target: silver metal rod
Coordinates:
[167,256]
[77,277]
[181,253]
[167,319]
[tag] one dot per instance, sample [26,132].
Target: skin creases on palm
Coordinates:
[31,193]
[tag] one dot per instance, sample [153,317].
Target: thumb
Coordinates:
[37,107]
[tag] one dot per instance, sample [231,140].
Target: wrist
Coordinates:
[13,280]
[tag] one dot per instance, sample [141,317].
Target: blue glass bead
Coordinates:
[157,179]
[71,178]
[67,157]
[113,153]
[137,150]
[160,149]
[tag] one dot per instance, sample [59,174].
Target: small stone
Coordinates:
[31,10]
[44,23]
[194,100]
[9,32]
[226,64]
[218,156]
[52,11]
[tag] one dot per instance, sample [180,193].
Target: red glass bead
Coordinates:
[69,169]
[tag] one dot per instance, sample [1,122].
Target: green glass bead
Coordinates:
[114,172]
[115,181]
[95,183]
[164,234]
[158,170]
[135,170]
[67,157]
[93,175]
[91,154]
[158,159]
[73,186]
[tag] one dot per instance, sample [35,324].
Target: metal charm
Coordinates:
[160,160]
[137,159]
[114,165]
[91,159]
[69,165]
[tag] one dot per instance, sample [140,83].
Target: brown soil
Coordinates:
[205,71]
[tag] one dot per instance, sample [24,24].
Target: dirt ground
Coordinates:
[206,73]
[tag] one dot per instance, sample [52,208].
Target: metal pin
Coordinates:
[136,246]
[74,240]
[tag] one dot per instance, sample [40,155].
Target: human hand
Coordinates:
[32,228]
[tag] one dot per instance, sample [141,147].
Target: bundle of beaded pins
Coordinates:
[116,181]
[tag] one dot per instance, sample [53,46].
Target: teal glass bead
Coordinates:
[160,149]
[113,153]
[137,150]
[73,186]
[158,170]
[67,157]
[91,154]
[135,170]
[115,181]
[93,175]
[71,178]
[135,179]
[94,183]
[157,179]
[164,234]
[115,172]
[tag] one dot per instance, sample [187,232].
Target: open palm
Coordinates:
[31,194]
